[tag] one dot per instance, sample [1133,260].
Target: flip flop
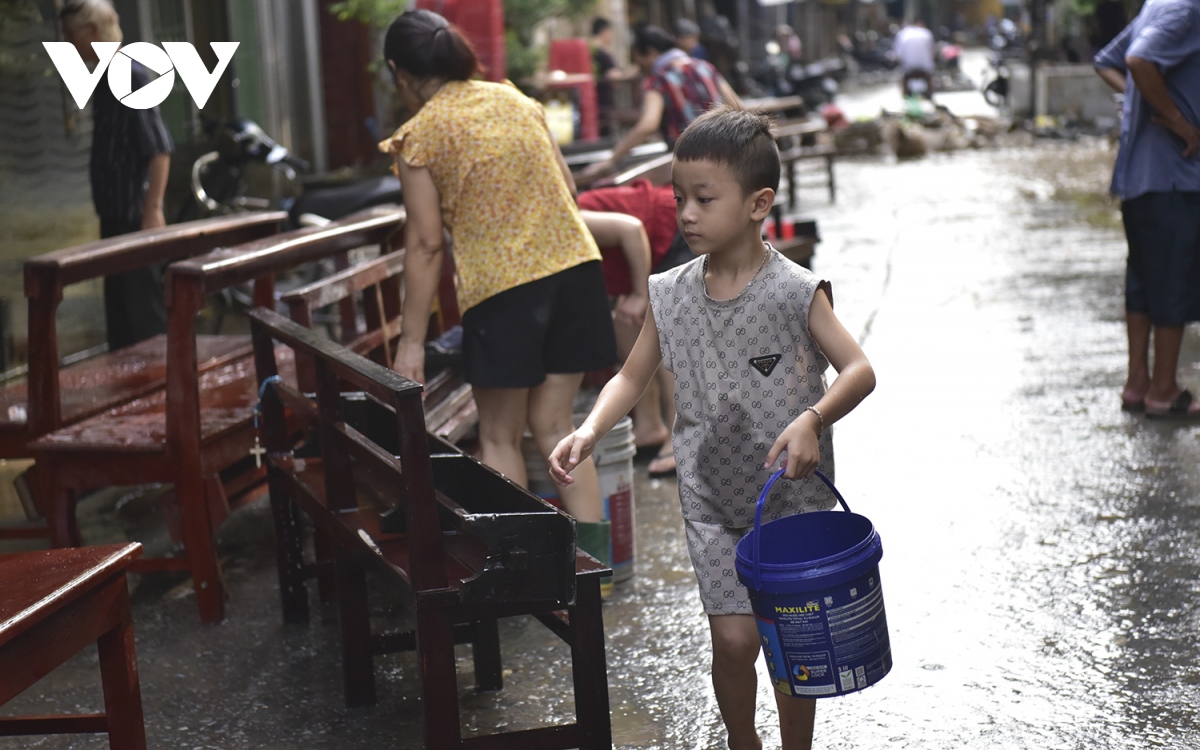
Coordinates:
[1136,403]
[1133,405]
[666,472]
[1184,406]
[647,452]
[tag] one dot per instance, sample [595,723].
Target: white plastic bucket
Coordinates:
[614,468]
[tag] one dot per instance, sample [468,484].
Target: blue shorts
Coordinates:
[1162,275]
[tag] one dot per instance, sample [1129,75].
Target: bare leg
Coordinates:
[550,421]
[796,718]
[1137,326]
[648,426]
[665,461]
[501,426]
[735,649]
[1163,385]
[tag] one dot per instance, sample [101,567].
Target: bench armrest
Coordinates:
[240,264]
[139,249]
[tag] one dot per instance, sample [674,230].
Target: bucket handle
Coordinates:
[762,500]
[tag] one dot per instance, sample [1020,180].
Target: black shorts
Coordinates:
[559,324]
[1162,275]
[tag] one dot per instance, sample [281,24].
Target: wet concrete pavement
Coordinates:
[1041,546]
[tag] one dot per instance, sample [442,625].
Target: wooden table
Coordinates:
[55,603]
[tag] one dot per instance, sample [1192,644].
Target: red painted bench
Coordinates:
[198,433]
[53,395]
[54,604]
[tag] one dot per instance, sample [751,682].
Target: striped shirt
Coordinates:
[688,87]
[123,142]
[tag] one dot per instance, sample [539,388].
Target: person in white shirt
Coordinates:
[914,49]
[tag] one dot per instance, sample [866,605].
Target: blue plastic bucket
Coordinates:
[814,586]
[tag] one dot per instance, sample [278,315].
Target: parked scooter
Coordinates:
[996,90]
[816,83]
[869,50]
[220,186]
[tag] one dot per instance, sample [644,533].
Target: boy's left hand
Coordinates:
[799,441]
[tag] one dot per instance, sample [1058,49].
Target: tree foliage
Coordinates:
[377,13]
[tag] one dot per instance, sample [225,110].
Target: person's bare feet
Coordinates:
[663,464]
[647,438]
[1133,396]
[650,443]
[1183,405]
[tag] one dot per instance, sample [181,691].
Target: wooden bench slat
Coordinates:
[228,395]
[23,726]
[226,267]
[61,577]
[101,382]
[140,249]
[344,283]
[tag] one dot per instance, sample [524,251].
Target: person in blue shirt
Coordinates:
[687,38]
[1155,62]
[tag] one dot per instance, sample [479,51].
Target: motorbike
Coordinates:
[220,184]
[995,92]
[869,50]
[1006,39]
[816,83]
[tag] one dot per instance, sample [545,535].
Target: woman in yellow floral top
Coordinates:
[477,158]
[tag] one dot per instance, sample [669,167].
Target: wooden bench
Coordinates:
[54,604]
[53,395]
[197,433]
[798,141]
[368,300]
[462,545]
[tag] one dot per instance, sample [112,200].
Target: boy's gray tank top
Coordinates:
[744,368]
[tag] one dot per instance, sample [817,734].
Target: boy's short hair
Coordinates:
[600,25]
[736,138]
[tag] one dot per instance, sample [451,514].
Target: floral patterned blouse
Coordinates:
[504,199]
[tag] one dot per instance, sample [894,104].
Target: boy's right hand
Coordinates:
[571,451]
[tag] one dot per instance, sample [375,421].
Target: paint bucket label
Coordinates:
[828,642]
[620,512]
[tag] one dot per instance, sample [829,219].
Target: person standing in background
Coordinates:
[605,68]
[1155,62]
[676,90]
[687,36]
[131,156]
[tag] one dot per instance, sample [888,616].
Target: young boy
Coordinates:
[747,335]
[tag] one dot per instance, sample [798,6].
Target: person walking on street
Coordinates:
[744,399]
[477,159]
[1155,62]
[131,156]
[677,89]
[915,48]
